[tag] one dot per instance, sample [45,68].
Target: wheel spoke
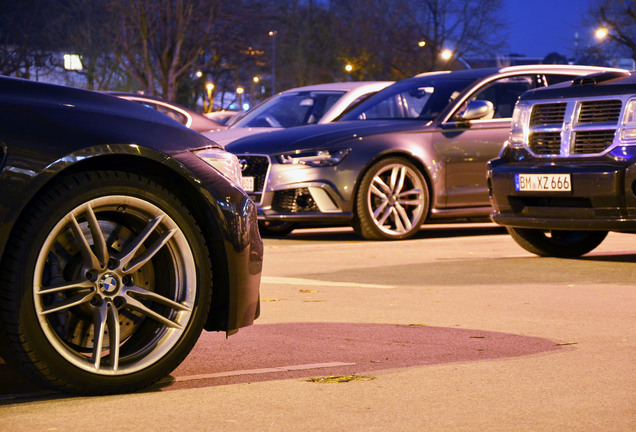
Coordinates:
[399,227]
[403,216]
[401,174]
[138,262]
[68,303]
[99,324]
[101,250]
[66,287]
[130,250]
[114,335]
[90,260]
[379,183]
[140,307]
[377,192]
[149,295]
[386,213]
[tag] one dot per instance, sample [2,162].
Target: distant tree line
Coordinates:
[172,48]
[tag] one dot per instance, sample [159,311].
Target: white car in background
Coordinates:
[320,103]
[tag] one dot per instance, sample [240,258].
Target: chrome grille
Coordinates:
[594,141]
[545,143]
[552,113]
[575,127]
[600,111]
[257,167]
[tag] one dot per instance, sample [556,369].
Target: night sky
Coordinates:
[539,27]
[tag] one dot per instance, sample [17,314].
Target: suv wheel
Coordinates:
[557,243]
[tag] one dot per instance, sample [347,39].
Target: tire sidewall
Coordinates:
[364,222]
[34,338]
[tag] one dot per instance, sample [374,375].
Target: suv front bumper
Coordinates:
[602,196]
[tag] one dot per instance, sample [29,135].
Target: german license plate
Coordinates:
[543,182]
[248,184]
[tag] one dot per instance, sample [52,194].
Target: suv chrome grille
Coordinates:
[257,167]
[573,127]
[545,143]
[552,113]
[600,111]
[592,141]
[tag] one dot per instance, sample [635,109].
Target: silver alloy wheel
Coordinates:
[396,198]
[114,285]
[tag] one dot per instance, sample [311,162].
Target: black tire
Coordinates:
[557,243]
[116,313]
[392,201]
[275,228]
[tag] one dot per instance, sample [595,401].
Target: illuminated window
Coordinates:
[72,62]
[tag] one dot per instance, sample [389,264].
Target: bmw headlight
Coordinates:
[314,158]
[224,162]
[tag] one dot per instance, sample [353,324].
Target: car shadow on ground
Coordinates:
[305,350]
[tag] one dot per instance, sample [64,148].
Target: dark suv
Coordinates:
[568,173]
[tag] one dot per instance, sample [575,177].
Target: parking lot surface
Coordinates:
[457,329]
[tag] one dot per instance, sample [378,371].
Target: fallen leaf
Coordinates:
[308,291]
[340,379]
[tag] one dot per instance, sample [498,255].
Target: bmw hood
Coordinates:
[320,135]
[75,116]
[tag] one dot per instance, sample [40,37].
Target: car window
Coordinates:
[178,116]
[504,92]
[555,79]
[422,99]
[287,110]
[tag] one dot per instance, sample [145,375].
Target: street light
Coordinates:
[208,88]
[273,34]
[449,54]
[421,44]
[601,33]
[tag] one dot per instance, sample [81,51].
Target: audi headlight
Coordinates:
[519,126]
[224,162]
[314,158]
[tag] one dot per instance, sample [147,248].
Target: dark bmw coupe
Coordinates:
[115,224]
[413,152]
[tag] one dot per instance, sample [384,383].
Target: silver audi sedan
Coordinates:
[416,151]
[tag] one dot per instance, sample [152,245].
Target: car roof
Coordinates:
[195,120]
[341,86]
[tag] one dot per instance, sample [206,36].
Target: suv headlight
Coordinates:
[314,158]
[224,162]
[519,126]
[629,122]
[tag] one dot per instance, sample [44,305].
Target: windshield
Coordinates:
[416,98]
[290,109]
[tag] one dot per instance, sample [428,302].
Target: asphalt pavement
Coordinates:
[458,329]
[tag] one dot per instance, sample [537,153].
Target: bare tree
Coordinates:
[26,45]
[394,39]
[160,41]
[85,28]
[618,18]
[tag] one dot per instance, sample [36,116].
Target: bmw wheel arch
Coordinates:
[107,284]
